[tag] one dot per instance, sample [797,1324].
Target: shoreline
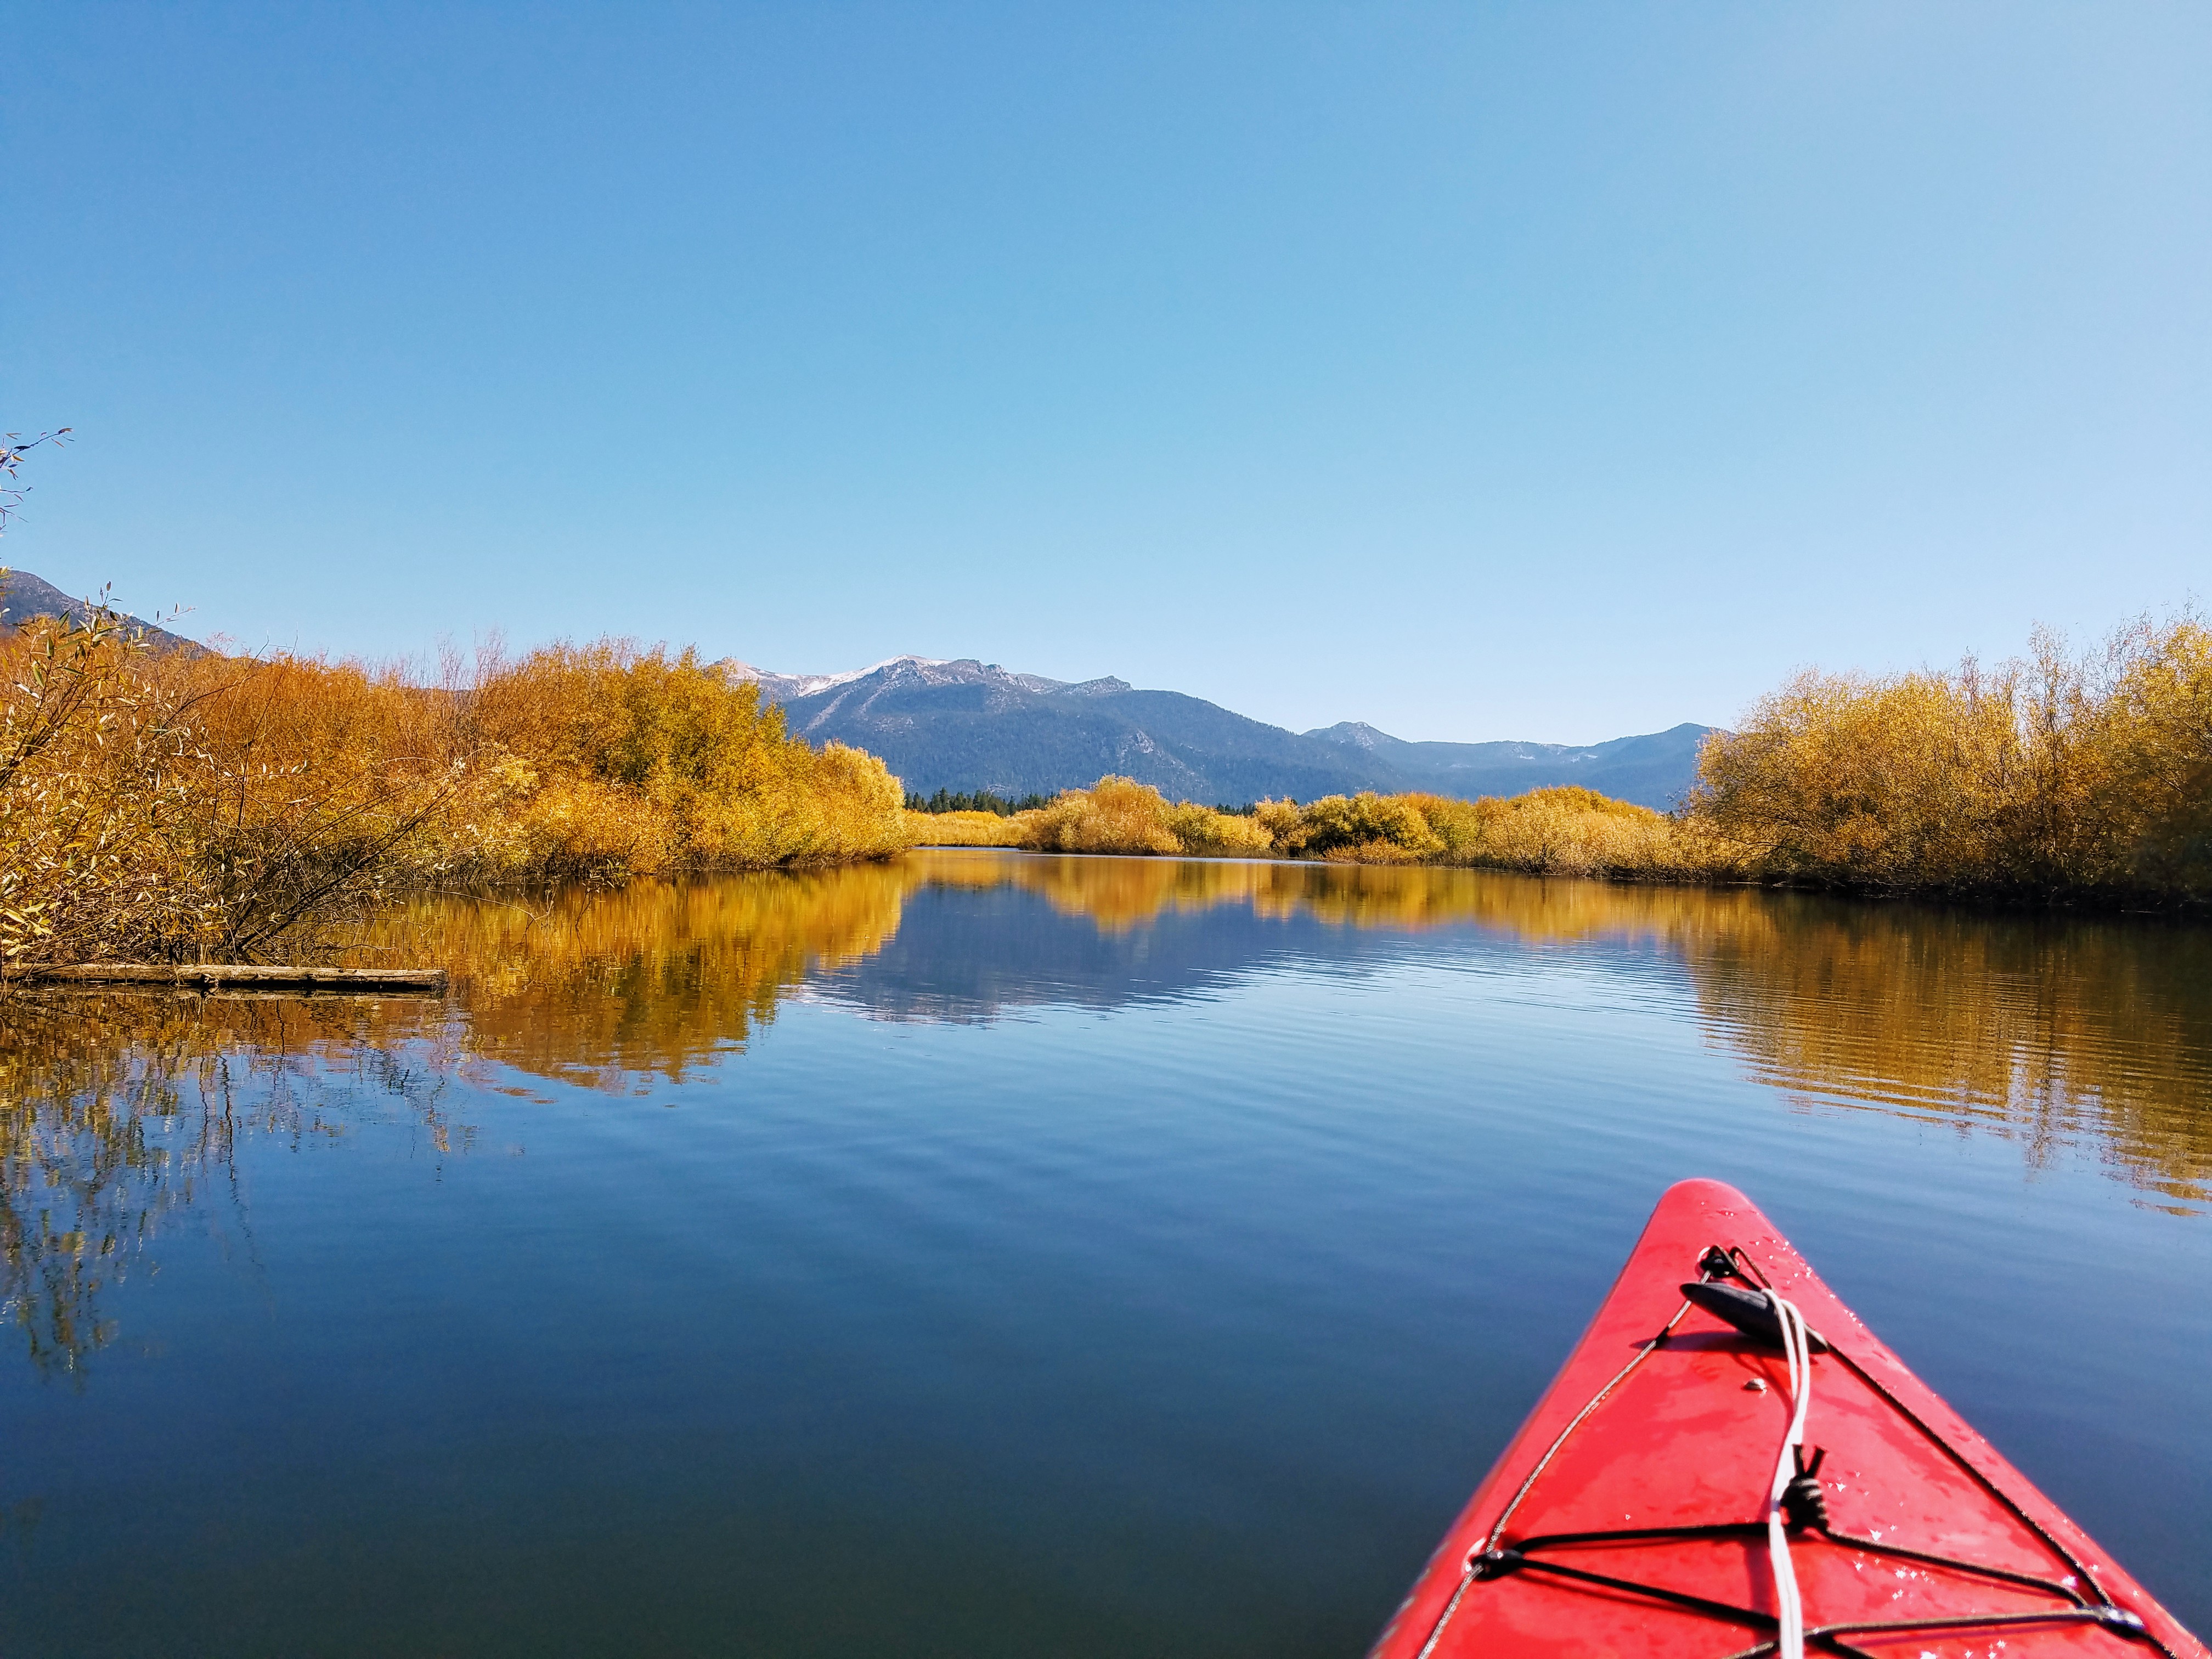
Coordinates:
[2090,903]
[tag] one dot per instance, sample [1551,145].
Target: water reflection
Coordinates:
[2049,1030]
[115,1110]
[609,988]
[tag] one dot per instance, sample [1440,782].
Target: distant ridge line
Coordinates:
[963,725]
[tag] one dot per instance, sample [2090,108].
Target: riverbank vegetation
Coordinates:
[1560,831]
[177,807]
[2058,776]
[171,806]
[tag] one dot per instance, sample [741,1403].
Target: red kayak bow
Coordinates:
[1731,1465]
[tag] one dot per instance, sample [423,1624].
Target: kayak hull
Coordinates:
[1634,1436]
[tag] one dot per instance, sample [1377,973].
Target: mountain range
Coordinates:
[966,726]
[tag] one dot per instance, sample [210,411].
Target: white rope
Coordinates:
[1789,1610]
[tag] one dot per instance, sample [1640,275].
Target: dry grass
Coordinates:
[963,829]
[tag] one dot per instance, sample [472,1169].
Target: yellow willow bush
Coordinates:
[2050,775]
[105,803]
[1572,831]
[180,807]
[614,761]
[1119,814]
[185,806]
[1566,830]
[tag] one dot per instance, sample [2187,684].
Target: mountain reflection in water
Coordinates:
[115,1110]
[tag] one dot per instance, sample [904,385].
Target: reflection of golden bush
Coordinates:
[1117,894]
[116,1110]
[2040,1029]
[655,977]
[2047,1030]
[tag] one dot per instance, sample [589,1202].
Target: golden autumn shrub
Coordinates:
[2158,730]
[1120,815]
[1572,831]
[625,761]
[1114,815]
[1366,828]
[187,806]
[93,775]
[1203,832]
[1565,830]
[2047,776]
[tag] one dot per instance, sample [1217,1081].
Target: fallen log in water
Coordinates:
[219,975]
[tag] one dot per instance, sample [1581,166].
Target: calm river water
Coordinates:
[995,1254]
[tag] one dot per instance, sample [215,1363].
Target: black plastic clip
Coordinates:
[1804,1505]
[1494,1564]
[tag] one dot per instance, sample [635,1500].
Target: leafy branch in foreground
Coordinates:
[12,447]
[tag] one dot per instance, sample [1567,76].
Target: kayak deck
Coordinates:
[1933,1547]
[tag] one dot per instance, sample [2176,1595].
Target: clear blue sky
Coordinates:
[1479,371]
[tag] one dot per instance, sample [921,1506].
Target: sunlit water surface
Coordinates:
[995,1255]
